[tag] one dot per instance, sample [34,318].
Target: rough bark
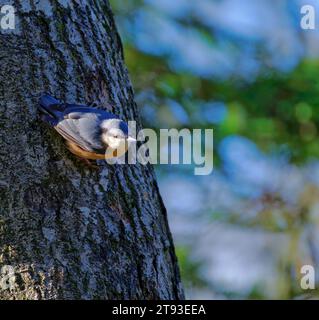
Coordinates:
[70,232]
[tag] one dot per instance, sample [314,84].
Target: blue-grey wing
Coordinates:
[74,111]
[82,128]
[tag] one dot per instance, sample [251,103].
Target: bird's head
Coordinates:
[115,134]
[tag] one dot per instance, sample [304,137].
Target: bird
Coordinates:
[90,133]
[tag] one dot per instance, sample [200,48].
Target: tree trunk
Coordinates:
[68,231]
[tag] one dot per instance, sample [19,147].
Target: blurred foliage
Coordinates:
[189,71]
[276,110]
[189,268]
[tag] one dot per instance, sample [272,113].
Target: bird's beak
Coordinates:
[131,140]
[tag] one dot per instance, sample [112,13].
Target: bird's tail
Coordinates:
[50,108]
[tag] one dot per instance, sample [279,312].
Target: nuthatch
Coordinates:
[90,133]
